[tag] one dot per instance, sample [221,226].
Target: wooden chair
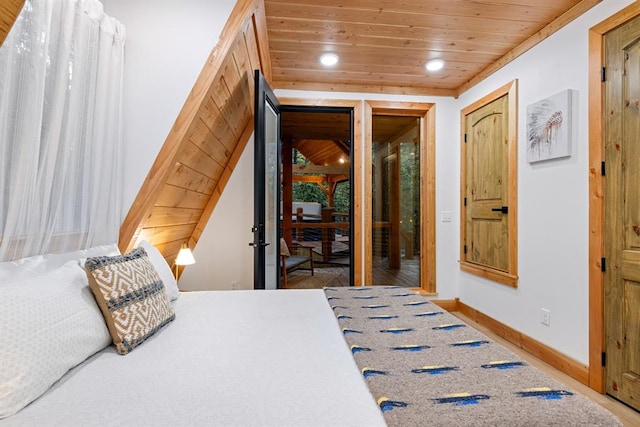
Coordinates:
[291,262]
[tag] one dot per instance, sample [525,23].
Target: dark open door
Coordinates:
[266,242]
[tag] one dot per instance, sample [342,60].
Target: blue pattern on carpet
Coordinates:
[448,365]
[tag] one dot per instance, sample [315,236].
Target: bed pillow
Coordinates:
[131,296]
[163,269]
[27,268]
[48,325]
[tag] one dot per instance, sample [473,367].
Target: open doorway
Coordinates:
[396,217]
[399,188]
[317,196]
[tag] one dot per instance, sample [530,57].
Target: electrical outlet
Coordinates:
[546,317]
[234,285]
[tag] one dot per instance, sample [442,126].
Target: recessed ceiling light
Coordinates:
[435,65]
[329,59]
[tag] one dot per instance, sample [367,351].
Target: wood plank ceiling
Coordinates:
[383,45]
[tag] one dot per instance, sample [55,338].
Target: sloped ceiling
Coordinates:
[9,11]
[205,143]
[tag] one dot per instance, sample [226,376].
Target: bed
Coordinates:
[251,358]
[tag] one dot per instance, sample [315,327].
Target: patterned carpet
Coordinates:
[426,367]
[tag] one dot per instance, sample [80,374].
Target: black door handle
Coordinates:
[255,245]
[504,209]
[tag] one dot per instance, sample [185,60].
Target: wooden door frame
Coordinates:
[596,192]
[426,113]
[356,147]
[510,277]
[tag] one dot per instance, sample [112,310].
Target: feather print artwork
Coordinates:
[549,127]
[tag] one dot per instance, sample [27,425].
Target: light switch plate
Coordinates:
[545,318]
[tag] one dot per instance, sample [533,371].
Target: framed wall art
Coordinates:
[549,131]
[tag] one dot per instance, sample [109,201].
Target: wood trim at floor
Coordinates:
[447,304]
[562,362]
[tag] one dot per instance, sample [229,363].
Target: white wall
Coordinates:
[553,200]
[223,255]
[167,44]
[447,158]
[552,196]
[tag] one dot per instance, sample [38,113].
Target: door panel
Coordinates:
[487,186]
[271,196]
[622,213]
[266,186]
[396,214]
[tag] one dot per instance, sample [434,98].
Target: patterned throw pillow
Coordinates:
[131,296]
[163,269]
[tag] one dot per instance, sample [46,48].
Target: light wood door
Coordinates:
[486,193]
[622,213]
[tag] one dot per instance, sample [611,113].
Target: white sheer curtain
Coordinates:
[61,70]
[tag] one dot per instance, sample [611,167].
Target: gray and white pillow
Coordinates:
[131,297]
[163,269]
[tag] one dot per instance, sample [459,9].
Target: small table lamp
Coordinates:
[185,257]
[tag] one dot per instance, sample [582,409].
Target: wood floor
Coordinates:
[408,276]
[339,276]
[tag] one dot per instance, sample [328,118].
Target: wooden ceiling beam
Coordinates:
[321,170]
[281,82]
[328,179]
[343,146]
[310,179]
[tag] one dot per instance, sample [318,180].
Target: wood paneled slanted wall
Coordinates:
[9,11]
[206,141]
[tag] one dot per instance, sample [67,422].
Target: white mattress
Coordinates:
[234,358]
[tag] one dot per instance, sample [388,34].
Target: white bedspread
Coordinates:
[235,358]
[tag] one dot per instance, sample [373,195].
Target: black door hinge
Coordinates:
[603,264]
[464,248]
[465,201]
[603,358]
[603,74]
[603,169]
[465,137]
